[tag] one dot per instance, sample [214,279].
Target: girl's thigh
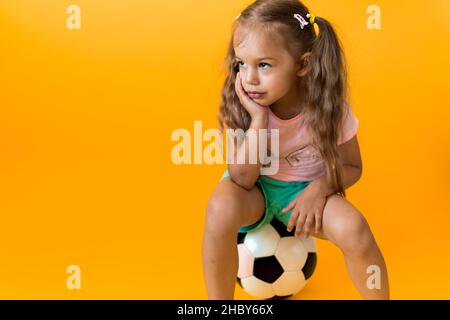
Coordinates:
[251,202]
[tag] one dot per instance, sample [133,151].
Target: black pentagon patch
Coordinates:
[281,228]
[238,280]
[241,237]
[267,269]
[310,265]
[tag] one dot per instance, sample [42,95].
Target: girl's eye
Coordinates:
[261,64]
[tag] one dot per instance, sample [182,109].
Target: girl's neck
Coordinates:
[289,106]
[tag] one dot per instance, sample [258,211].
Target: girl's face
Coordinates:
[265,66]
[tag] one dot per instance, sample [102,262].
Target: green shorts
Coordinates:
[277,195]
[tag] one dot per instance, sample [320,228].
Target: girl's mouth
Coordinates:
[255,95]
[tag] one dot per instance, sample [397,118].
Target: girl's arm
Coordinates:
[246,174]
[351,169]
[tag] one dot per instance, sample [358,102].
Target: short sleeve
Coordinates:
[349,127]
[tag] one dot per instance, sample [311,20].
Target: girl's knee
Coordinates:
[224,212]
[353,234]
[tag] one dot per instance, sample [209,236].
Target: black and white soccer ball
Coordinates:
[273,264]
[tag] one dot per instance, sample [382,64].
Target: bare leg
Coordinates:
[229,207]
[220,263]
[357,266]
[347,228]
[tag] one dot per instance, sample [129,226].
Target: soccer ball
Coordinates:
[273,264]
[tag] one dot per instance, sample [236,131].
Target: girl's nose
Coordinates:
[251,77]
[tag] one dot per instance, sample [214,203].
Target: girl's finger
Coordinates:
[308,224]
[292,220]
[300,223]
[241,92]
[289,206]
[318,219]
[240,88]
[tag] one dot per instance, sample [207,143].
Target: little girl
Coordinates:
[283,74]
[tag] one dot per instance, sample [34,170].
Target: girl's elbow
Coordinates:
[243,180]
[359,173]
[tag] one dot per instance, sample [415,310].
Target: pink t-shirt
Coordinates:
[298,159]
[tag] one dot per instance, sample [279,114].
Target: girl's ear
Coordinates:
[304,66]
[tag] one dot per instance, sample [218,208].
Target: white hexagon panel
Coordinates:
[289,283]
[257,288]
[246,262]
[262,242]
[309,243]
[291,253]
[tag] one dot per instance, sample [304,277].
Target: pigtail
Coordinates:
[326,89]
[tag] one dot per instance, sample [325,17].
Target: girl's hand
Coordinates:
[254,109]
[308,210]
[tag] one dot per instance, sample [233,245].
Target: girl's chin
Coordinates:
[262,100]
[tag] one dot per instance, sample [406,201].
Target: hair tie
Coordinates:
[312,18]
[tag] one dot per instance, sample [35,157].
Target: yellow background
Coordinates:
[85,123]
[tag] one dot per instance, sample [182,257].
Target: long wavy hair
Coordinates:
[324,86]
